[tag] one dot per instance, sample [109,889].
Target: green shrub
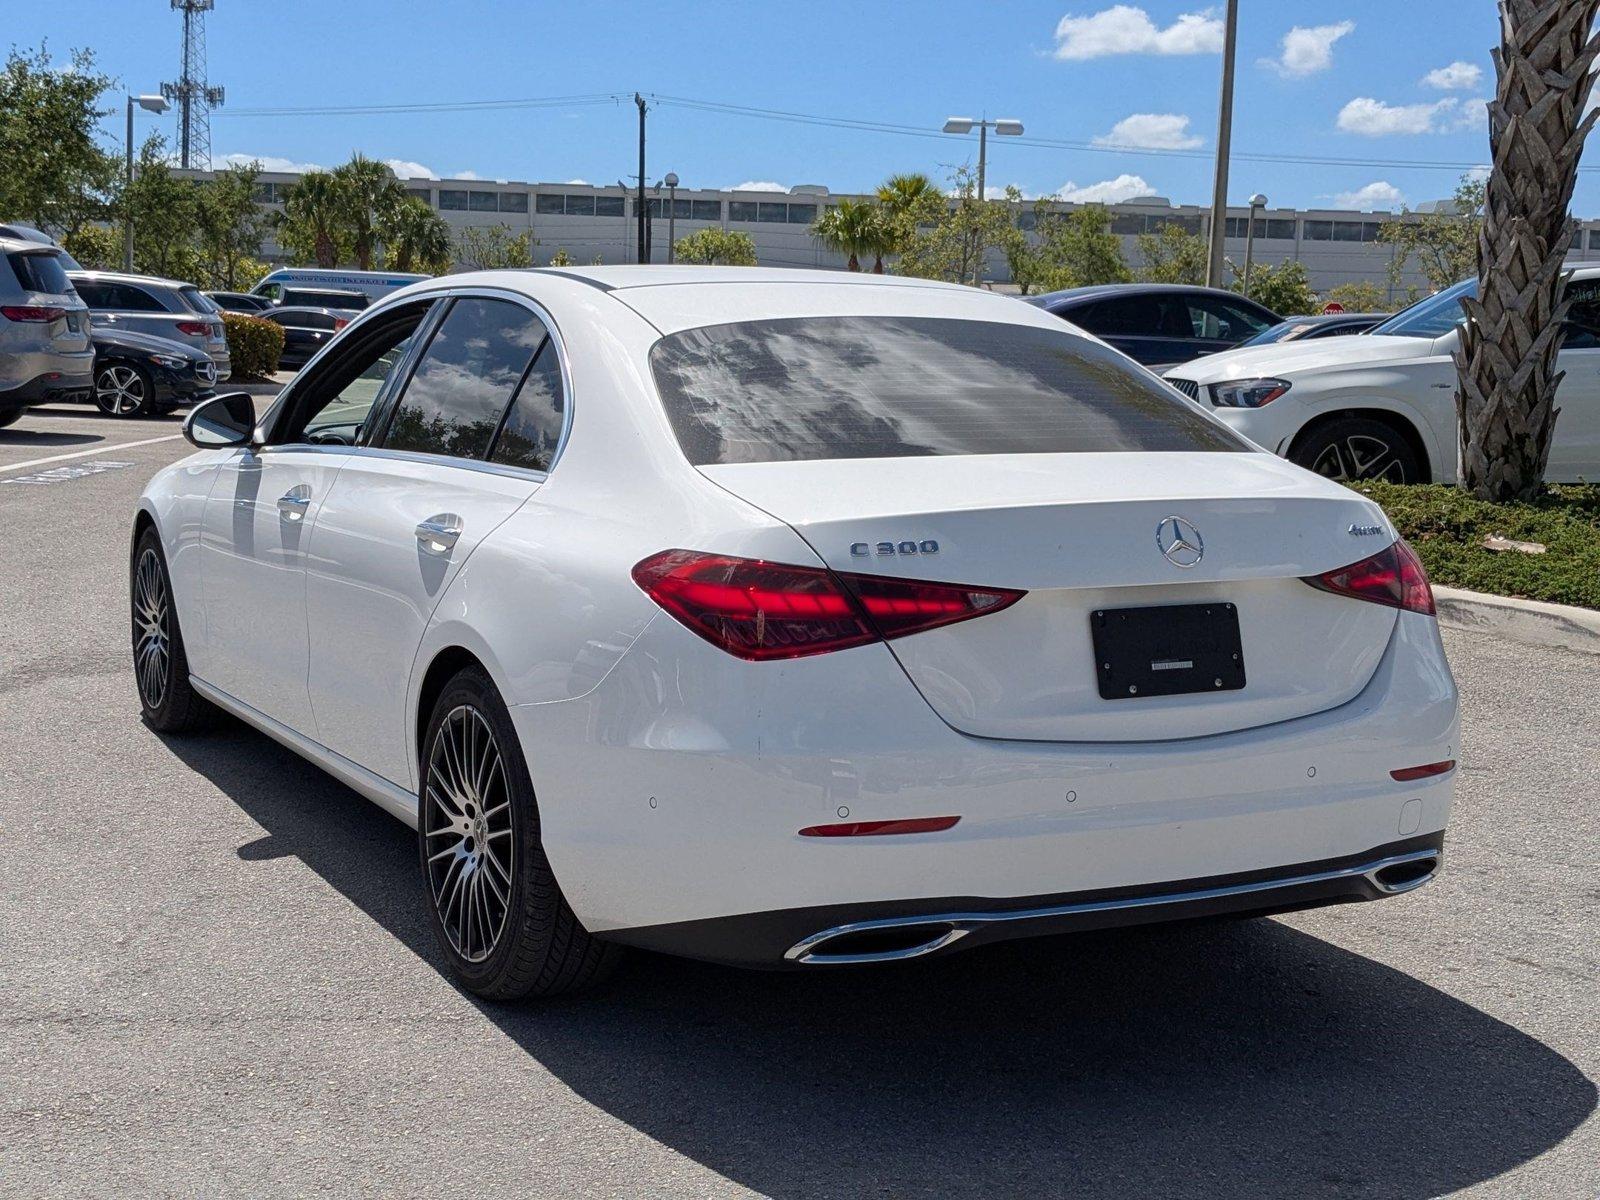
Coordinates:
[253,344]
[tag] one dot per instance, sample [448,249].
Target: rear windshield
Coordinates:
[40,271]
[197,301]
[897,387]
[325,299]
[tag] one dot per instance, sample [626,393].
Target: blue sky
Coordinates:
[1389,84]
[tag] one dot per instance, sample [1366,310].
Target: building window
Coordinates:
[423,194]
[451,199]
[741,210]
[548,204]
[1318,231]
[706,210]
[776,213]
[1127,223]
[802,214]
[1347,231]
[608,206]
[514,202]
[265,193]
[484,202]
[580,206]
[1278,229]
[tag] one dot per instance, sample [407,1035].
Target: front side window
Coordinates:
[465,379]
[1218,320]
[335,404]
[895,387]
[1433,317]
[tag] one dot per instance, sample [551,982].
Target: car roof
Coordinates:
[1097,290]
[10,245]
[628,276]
[280,309]
[128,277]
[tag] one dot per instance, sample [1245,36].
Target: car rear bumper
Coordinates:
[672,796]
[50,387]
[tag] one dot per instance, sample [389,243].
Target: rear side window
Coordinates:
[895,387]
[465,379]
[533,426]
[40,272]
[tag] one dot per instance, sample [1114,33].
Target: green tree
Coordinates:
[1361,297]
[415,237]
[561,258]
[312,225]
[493,248]
[229,224]
[53,169]
[712,245]
[1172,255]
[1444,244]
[368,192]
[166,212]
[853,228]
[97,247]
[1285,288]
[958,231]
[905,201]
[1077,248]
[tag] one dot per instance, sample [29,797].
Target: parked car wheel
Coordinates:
[495,905]
[123,391]
[10,416]
[160,667]
[1352,448]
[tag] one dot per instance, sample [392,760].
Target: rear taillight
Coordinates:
[339,323]
[762,610]
[194,328]
[1394,577]
[31,312]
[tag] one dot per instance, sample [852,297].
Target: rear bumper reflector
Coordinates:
[877,828]
[1407,774]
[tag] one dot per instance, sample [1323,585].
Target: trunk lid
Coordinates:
[1078,532]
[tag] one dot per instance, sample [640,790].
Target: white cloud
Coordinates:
[1305,50]
[758,185]
[271,162]
[1374,118]
[1124,29]
[406,169]
[1107,191]
[579,183]
[1480,173]
[465,175]
[1380,194]
[1150,131]
[1471,114]
[1458,76]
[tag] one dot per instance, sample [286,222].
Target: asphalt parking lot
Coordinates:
[217,977]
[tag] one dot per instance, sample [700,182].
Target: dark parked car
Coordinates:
[1161,324]
[240,302]
[1324,325]
[310,297]
[136,375]
[306,330]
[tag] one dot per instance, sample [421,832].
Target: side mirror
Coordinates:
[225,420]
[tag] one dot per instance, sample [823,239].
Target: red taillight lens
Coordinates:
[1425,771]
[31,312]
[881,828]
[194,328]
[339,323]
[761,610]
[1394,577]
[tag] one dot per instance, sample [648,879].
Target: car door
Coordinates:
[463,447]
[1575,446]
[258,523]
[1133,324]
[1220,324]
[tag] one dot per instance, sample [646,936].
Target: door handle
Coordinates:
[439,533]
[293,503]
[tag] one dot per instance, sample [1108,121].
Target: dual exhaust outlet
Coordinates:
[891,939]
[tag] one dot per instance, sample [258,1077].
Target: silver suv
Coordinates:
[160,307]
[44,330]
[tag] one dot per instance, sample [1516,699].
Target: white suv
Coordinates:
[1382,405]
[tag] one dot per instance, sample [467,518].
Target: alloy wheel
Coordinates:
[1360,456]
[467,833]
[152,632]
[119,391]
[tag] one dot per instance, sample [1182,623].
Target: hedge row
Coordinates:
[253,344]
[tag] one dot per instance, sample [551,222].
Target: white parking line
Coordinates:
[39,462]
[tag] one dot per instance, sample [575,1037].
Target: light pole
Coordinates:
[1256,201]
[1219,187]
[672,215]
[964,125]
[155,104]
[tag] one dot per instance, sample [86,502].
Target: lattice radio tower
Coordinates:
[194,97]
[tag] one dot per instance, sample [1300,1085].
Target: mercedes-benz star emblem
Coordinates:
[1179,542]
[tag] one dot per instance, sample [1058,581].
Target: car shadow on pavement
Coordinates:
[14,436]
[1213,1059]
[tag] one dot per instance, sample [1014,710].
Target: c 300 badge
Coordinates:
[893,549]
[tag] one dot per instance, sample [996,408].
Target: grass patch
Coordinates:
[1447,527]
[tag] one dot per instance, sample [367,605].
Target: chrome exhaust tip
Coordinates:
[1404,872]
[890,940]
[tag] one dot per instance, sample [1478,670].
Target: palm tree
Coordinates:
[414,236]
[370,189]
[853,228]
[1506,361]
[905,199]
[312,224]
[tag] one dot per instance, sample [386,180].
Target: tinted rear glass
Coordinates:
[897,387]
[325,299]
[40,272]
[196,301]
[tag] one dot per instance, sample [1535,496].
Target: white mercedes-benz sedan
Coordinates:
[791,618]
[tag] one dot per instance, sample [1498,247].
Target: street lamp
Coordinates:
[672,215]
[964,125]
[155,104]
[1256,201]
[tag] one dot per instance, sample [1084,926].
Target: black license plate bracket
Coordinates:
[1167,650]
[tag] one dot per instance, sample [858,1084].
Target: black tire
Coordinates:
[10,416]
[123,390]
[1352,448]
[160,666]
[498,913]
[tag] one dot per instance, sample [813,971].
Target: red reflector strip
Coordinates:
[874,828]
[1407,774]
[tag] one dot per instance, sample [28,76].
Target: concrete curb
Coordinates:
[1531,622]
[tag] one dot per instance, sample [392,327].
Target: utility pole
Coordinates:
[644,208]
[672,214]
[1219,191]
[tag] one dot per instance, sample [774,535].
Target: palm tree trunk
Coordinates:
[855,263]
[1507,358]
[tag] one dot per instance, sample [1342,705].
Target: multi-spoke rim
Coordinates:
[1360,456]
[119,390]
[467,833]
[152,635]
